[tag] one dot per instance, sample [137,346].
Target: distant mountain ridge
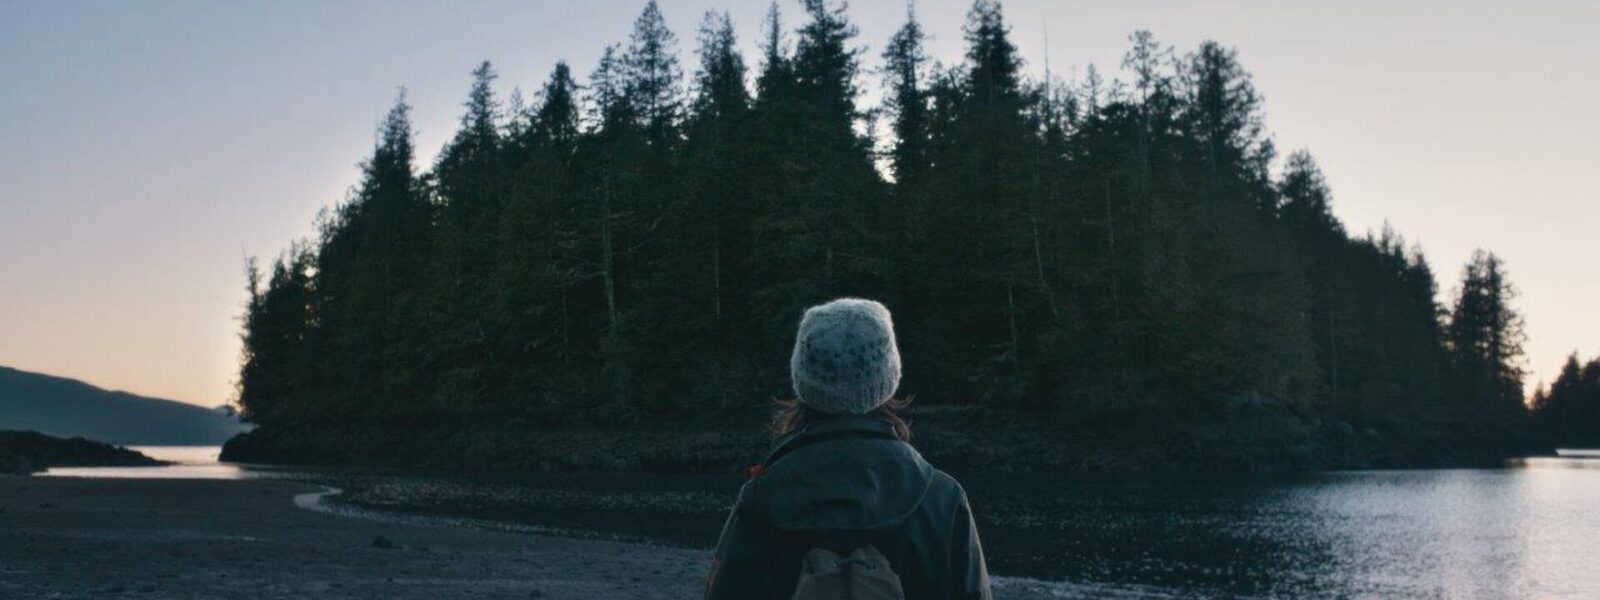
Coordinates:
[64,407]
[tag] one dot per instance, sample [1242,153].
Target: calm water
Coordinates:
[189,462]
[1530,530]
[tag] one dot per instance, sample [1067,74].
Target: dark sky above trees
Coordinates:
[1391,101]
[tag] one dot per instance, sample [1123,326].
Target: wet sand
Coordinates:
[129,538]
[96,538]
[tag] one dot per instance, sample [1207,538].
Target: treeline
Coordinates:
[1568,413]
[641,244]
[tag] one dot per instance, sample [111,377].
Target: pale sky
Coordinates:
[147,148]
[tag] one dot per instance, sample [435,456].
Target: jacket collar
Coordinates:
[823,427]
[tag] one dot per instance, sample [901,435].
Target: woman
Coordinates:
[843,507]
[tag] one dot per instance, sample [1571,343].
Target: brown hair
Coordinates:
[792,413]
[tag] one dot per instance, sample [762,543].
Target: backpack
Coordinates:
[864,574]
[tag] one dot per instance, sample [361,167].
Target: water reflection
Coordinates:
[1525,531]
[187,462]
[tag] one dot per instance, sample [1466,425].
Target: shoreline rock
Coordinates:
[26,452]
[1247,435]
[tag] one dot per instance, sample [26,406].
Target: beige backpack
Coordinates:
[862,575]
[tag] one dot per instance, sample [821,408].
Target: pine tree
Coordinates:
[907,102]
[693,305]
[776,67]
[1568,413]
[987,198]
[275,376]
[367,300]
[1306,206]
[1322,245]
[1225,115]
[720,93]
[653,74]
[719,209]
[557,119]
[538,269]
[1485,338]
[466,167]
[994,69]
[470,179]
[825,67]
[610,162]
[1243,271]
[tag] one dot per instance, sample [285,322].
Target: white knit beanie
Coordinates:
[845,359]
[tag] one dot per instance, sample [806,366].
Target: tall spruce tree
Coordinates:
[471,183]
[721,113]
[1320,239]
[1246,276]
[609,161]
[905,63]
[1485,338]
[276,357]
[654,77]
[819,192]
[539,268]
[367,295]
[985,198]
[909,248]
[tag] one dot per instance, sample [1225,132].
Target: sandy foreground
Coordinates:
[129,538]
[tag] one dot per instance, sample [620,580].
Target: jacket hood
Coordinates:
[843,473]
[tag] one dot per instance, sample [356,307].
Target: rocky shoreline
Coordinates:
[181,539]
[1249,435]
[24,452]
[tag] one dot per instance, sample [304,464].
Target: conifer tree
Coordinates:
[539,268]
[775,62]
[720,93]
[367,299]
[986,199]
[609,165]
[994,76]
[1321,242]
[653,75]
[813,176]
[470,179]
[557,119]
[719,213]
[1485,338]
[698,280]
[275,377]
[826,66]
[907,101]
[466,170]
[1225,115]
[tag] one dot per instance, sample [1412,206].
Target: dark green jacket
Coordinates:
[844,482]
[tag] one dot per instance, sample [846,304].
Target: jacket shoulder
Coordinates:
[944,493]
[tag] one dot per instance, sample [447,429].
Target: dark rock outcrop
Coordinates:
[23,452]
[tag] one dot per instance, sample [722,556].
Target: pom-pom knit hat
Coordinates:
[845,359]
